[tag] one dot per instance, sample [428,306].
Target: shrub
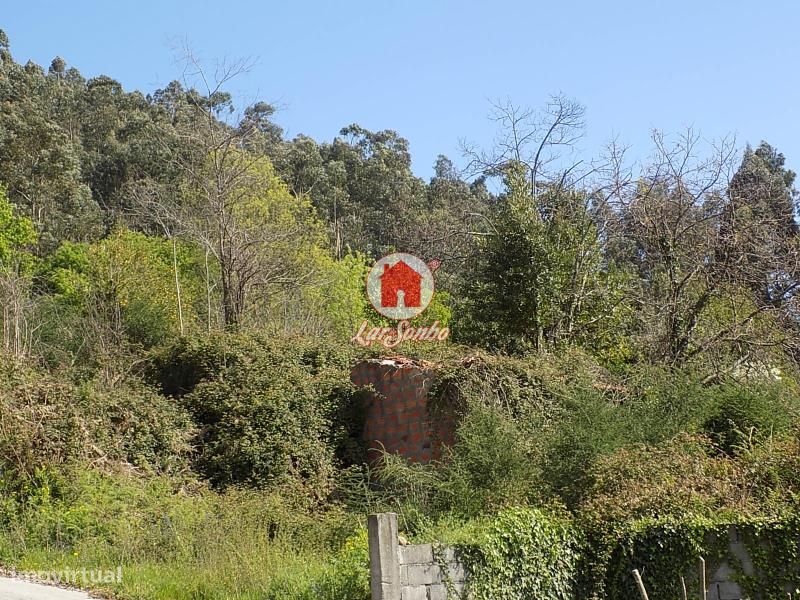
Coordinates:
[680,476]
[49,422]
[177,539]
[688,475]
[492,465]
[269,410]
[746,414]
[523,553]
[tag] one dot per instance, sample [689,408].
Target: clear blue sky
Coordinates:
[427,69]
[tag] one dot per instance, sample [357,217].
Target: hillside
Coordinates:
[181,283]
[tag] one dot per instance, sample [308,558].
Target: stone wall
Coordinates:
[396,412]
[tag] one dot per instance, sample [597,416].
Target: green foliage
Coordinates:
[531,428]
[643,545]
[665,549]
[543,429]
[539,274]
[658,509]
[39,160]
[120,291]
[139,273]
[746,415]
[345,577]
[270,410]
[16,232]
[524,553]
[653,389]
[492,465]
[683,475]
[178,540]
[66,271]
[17,236]
[645,405]
[49,422]
[653,509]
[503,408]
[334,304]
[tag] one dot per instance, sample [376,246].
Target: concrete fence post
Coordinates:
[384,560]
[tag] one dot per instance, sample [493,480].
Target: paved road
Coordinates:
[15,589]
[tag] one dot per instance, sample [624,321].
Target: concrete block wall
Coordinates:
[397,416]
[410,572]
[417,572]
[721,582]
[422,577]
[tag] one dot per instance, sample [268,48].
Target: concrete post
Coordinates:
[384,560]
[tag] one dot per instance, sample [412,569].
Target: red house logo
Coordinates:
[400,286]
[398,279]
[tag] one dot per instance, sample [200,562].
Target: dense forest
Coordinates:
[180,283]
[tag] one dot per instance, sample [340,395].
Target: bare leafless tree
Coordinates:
[541,140]
[670,222]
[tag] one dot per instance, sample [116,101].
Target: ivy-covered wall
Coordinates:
[753,558]
[527,554]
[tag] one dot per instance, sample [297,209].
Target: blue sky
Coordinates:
[429,69]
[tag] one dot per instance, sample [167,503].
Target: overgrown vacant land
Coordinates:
[179,286]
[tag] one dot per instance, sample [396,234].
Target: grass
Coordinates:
[179,544]
[280,572]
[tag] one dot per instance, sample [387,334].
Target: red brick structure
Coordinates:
[397,417]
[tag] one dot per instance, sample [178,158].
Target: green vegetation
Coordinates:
[179,540]
[178,288]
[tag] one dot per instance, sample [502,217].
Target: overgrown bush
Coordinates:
[46,422]
[269,410]
[523,553]
[552,429]
[644,405]
[483,476]
[744,415]
[177,539]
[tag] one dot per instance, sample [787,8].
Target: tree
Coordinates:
[39,162]
[442,229]
[252,227]
[308,174]
[538,141]
[101,303]
[758,227]
[16,233]
[690,238]
[17,236]
[5,52]
[668,224]
[538,277]
[58,68]
[229,199]
[381,194]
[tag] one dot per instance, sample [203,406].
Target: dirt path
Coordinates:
[16,589]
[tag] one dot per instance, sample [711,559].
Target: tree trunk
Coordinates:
[177,283]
